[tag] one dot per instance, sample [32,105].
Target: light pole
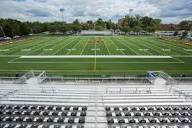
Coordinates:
[131,12]
[62,13]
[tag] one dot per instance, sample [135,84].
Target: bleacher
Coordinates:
[174,116]
[111,104]
[22,116]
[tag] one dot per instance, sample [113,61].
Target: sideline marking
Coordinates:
[4,50]
[166,50]
[97,56]
[25,50]
[188,50]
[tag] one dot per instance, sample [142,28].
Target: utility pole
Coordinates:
[2,31]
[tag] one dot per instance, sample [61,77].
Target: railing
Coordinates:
[11,80]
[99,80]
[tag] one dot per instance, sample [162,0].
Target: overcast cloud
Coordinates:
[170,11]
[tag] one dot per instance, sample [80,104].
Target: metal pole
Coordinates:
[62,13]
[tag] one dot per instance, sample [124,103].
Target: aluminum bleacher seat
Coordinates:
[33,116]
[149,116]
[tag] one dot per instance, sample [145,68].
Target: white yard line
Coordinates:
[95,59]
[97,56]
[173,45]
[85,45]
[13,60]
[107,47]
[78,42]
[117,47]
[54,53]
[153,46]
[177,59]
[38,47]
[182,56]
[129,46]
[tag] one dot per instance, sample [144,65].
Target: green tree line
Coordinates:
[11,28]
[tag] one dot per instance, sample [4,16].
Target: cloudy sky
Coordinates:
[170,11]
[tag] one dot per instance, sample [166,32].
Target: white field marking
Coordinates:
[10,55]
[188,50]
[95,49]
[73,49]
[139,62]
[25,50]
[143,49]
[97,56]
[48,49]
[177,59]
[127,43]
[95,60]
[84,48]
[117,46]
[166,50]
[4,50]
[63,47]
[120,49]
[151,47]
[13,60]
[106,47]
[172,45]
[40,47]
[182,56]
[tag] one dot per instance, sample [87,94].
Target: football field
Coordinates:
[85,55]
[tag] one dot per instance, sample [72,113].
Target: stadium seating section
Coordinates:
[149,116]
[39,116]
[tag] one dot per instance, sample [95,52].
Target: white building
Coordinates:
[94,32]
[165,33]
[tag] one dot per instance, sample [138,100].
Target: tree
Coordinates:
[52,28]
[100,25]
[90,24]
[185,25]
[109,24]
[125,29]
[99,28]
[184,34]
[137,29]
[24,29]
[76,26]
[150,29]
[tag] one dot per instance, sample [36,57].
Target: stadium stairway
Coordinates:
[96,97]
